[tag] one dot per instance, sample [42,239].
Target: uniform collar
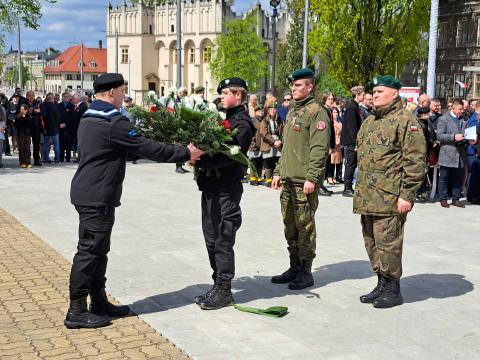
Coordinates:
[298,104]
[385,110]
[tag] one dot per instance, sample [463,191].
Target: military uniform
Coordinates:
[105,139]
[305,149]
[391,164]
[221,214]
[254,153]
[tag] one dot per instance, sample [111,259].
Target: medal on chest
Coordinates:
[295,126]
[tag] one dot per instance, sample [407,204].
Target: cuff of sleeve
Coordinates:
[408,196]
[311,179]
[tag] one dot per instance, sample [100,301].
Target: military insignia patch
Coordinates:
[227,81]
[413,128]
[320,125]
[133,133]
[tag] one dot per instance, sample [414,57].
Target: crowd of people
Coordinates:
[32,126]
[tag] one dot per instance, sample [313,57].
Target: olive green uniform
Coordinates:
[391,164]
[305,149]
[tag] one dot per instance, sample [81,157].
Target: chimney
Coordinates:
[100,42]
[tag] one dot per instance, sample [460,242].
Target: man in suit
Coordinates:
[453,153]
[348,138]
[66,110]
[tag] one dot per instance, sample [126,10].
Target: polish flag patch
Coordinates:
[413,128]
[320,125]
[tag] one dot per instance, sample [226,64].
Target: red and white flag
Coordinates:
[462,84]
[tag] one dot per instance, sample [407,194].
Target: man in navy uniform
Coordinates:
[105,139]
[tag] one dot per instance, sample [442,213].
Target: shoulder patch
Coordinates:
[133,133]
[320,125]
[413,128]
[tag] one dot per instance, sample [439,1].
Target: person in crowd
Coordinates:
[56,98]
[127,105]
[89,97]
[24,125]
[335,171]
[285,107]
[3,127]
[12,111]
[328,101]
[449,104]
[221,195]
[51,119]
[391,167]
[271,143]
[252,105]
[423,116]
[66,111]
[453,153]
[300,173]
[183,100]
[269,98]
[351,125]
[37,125]
[254,153]
[6,143]
[341,104]
[472,148]
[79,108]
[366,106]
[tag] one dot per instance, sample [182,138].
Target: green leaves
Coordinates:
[362,38]
[240,52]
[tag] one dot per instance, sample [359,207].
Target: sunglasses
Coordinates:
[287,99]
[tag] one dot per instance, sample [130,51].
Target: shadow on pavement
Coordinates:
[422,287]
[260,287]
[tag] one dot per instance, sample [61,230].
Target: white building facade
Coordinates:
[147,43]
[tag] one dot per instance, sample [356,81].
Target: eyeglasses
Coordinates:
[287,99]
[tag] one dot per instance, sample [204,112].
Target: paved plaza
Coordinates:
[158,263]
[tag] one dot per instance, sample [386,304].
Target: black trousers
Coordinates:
[36,146]
[65,146]
[453,177]
[350,164]
[221,218]
[90,262]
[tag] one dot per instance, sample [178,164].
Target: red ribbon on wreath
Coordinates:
[154,109]
[226,125]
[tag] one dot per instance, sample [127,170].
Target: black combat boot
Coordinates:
[304,277]
[180,170]
[323,191]
[200,298]
[368,298]
[290,274]
[78,316]
[390,296]
[101,306]
[220,297]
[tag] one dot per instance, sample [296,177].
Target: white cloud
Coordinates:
[55,27]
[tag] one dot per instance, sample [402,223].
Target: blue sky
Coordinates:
[70,21]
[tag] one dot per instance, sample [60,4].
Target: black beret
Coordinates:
[88,93]
[108,81]
[233,81]
[304,73]
[388,81]
[423,110]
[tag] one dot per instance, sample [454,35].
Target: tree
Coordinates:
[240,52]
[27,12]
[12,75]
[327,83]
[290,53]
[363,38]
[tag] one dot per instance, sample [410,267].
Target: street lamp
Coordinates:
[274,4]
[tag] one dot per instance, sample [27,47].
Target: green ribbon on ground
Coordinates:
[274,311]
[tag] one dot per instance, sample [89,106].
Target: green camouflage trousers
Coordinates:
[383,237]
[298,212]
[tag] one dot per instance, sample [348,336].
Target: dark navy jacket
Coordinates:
[105,137]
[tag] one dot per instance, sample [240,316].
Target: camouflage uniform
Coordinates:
[391,164]
[305,149]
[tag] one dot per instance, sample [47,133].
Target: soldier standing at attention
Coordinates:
[300,172]
[220,181]
[391,167]
[105,138]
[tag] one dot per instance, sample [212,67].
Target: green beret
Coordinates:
[304,73]
[388,81]
[199,89]
[273,105]
[259,107]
